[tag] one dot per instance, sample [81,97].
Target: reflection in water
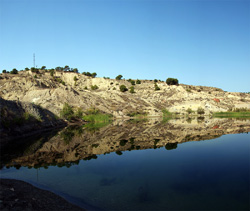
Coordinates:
[76,142]
[142,165]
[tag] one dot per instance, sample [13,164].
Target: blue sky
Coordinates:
[200,42]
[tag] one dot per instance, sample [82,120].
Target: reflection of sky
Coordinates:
[214,172]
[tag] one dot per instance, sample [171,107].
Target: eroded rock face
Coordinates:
[21,118]
[75,143]
[51,94]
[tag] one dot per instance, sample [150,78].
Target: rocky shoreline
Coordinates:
[18,195]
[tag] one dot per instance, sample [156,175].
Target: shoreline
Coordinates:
[18,195]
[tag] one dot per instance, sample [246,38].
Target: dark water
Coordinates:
[149,174]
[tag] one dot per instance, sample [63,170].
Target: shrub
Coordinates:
[67,112]
[93,75]
[75,78]
[157,87]
[94,87]
[43,67]
[138,81]
[172,81]
[132,82]
[79,113]
[119,77]
[123,142]
[4,71]
[14,71]
[123,88]
[155,80]
[189,111]
[85,88]
[200,111]
[51,72]
[132,89]
[59,80]
[35,76]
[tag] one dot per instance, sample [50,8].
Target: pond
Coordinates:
[151,165]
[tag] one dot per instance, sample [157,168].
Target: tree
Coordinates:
[75,70]
[172,81]
[58,68]
[43,67]
[33,69]
[66,68]
[123,88]
[26,69]
[119,77]
[93,75]
[138,81]
[4,71]
[14,71]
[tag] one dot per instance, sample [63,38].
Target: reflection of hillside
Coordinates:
[74,144]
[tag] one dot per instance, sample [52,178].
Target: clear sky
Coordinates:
[200,42]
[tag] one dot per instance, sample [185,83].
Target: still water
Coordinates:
[143,166]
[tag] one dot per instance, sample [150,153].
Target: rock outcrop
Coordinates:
[51,92]
[18,119]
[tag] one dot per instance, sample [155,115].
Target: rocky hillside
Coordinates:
[78,90]
[19,119]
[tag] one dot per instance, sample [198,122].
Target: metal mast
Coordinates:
[34,60]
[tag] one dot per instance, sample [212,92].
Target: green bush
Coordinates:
[132,82]
[123,88]
[200,111]
[51,72]
[157,88]
[94,87]
[119,77]
[172,81]
[67,112]
[132,89]
[75,78]
[138,81]
[79,113]
[189,111]
[4,71]
[14,71]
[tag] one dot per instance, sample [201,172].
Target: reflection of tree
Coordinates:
[70,132]
[171,146]
[85,143]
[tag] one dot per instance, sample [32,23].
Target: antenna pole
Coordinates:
[34,60]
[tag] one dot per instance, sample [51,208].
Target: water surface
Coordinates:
[177,165]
